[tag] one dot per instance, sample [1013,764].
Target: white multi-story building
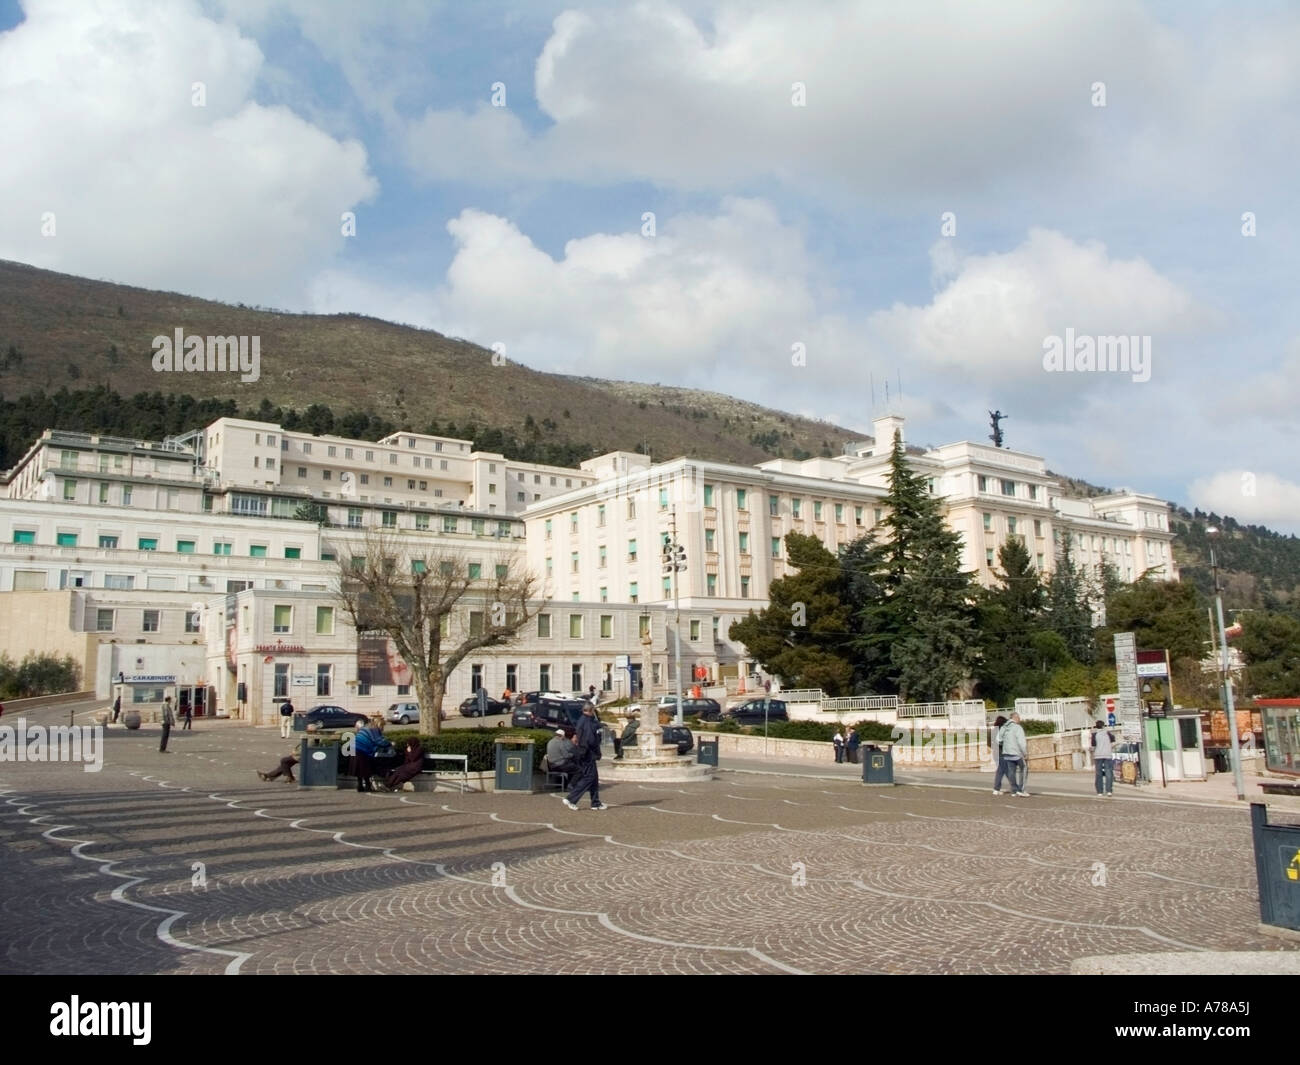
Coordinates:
[133,556]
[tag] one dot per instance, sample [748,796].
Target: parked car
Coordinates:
[521,718]
[403,713]
[469,708]
[334,717]
[704,709]
[756,711]
[680,735]
[558,713]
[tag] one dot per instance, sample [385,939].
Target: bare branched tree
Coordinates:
[435,604]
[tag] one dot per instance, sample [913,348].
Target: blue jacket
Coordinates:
[586,737]
[369,739]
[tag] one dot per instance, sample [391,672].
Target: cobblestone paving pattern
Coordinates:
[187,863]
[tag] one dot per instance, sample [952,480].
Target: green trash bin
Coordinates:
[706,753]
[514,764]
[318,762]
[299,721]
[877,764]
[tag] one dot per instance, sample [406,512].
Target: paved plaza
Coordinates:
[185,862]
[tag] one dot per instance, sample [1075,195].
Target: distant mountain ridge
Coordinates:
[57,330]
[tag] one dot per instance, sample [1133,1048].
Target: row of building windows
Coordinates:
[1013,525]
[150,543]
[774,510]
[363,478]
[331,450]
[605,626]
[1003,486]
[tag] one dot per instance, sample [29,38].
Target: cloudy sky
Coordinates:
[682,193]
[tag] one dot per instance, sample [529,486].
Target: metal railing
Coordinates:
[960,707]
[860,702]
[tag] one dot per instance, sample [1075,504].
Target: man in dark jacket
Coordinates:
[586,739]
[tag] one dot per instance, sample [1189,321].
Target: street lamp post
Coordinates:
[1228,706]
[674,563]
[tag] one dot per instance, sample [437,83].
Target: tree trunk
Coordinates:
[430,689]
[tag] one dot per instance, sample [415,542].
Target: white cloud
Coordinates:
[947,101]
[988,324]
[232,200]
[735,284]
[1253,497]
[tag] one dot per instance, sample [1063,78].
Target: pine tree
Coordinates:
[1069,613]
[926,610]
[1010,616]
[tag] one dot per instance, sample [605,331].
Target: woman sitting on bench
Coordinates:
[411,767]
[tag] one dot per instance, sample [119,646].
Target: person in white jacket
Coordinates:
[1015,751]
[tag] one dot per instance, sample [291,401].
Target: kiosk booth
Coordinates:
[1173,745]
[1281,735]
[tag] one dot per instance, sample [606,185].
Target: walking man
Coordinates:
[168,720]
[586,739]
[1015,749]
[286,719]
[117,708]
[187,712]
[838,741]
[851,745]
[1103,755]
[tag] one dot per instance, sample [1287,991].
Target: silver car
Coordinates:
[403,713]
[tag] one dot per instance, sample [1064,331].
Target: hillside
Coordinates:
[62,331]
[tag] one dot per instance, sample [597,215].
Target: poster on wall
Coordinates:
[378,654]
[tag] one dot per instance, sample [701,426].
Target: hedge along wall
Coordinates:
[479,744]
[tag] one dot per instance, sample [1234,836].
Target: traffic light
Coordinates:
[674,557]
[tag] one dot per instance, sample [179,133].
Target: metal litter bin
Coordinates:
[300,721]
[318,762]
[877,765]
[514,763]
[1277,869]
[706,753]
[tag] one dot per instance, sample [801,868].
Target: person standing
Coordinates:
[851,745]
[364,747]
[117,708]
[1015,750]
[999,723]
[1103,755]
[838,741]
[586,739]
[168,720]
[187,713]
[286,719]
